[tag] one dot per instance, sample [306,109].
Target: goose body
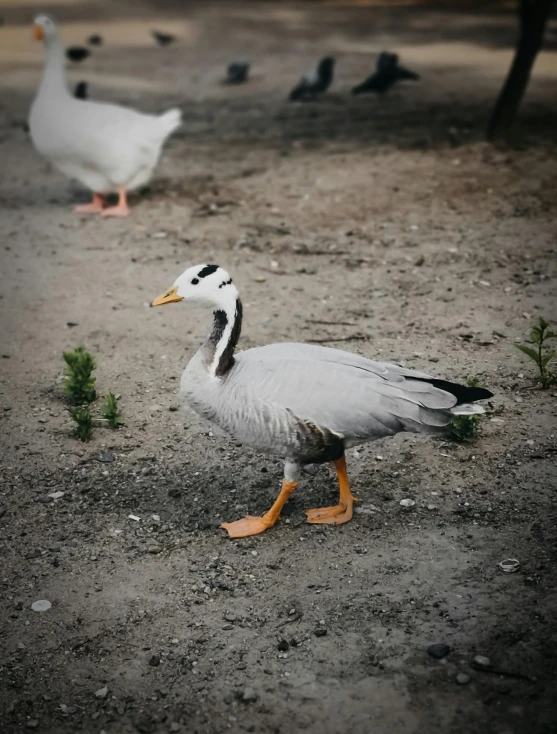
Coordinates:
[107,147]
[302,402]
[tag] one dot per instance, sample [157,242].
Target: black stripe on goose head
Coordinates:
[207,270]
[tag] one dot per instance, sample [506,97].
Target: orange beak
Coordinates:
[38,33]
[169,296]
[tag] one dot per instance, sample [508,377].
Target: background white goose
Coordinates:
[106,147]
[304,403]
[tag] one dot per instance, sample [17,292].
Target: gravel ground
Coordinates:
[382,226]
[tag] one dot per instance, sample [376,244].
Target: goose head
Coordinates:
[208,285]
[44,29]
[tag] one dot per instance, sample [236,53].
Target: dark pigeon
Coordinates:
[315,82]
[237,72]
[163,39]
[387,73]
[95,40]
[80,91]
[77,53]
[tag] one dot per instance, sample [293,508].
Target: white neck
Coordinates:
[218,349]
[54,76]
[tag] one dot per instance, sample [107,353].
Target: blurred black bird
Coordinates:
[237,72]
[95,40]
[163,39]
[77,53]
[80,91]
[315,82]
[387,73]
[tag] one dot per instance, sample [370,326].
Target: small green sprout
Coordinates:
[80,384]
[466,428]
[539,334]
[111,413]
[84,423]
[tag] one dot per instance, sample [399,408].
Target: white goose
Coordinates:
[302,402]
[108,148]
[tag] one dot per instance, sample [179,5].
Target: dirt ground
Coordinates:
[382,226]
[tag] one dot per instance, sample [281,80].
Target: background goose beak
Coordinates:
[169,296]
[38,33]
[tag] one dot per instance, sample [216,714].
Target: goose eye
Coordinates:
[195,281]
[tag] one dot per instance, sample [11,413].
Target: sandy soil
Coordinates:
[385,227]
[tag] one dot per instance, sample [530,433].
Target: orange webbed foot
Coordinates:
[116,211]
[336,515]
[94,207]
[245,527]
[121,208]
[251,525]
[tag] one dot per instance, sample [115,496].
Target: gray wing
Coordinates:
[350,395]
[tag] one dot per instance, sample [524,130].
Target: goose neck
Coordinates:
[218,350]
[54,77]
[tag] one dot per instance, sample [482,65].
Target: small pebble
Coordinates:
[462,678]
[105,457]
[44,499]
[32,724]
[155,660]
[249,695]
[320,631]
[102,692]
[154,549]
[42,605]
[439,650]
[407,504]
[482,661]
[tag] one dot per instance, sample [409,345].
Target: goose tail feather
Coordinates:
[467,409]
[170,121]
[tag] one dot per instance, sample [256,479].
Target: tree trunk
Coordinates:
[533,18]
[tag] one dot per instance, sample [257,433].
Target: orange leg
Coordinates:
[121,208]
[342,512]
[254,525]
[95,207]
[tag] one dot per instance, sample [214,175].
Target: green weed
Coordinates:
[84,423]
[466,428]
[542,355]
[80,383]
[111,413]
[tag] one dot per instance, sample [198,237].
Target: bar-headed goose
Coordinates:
[305,403]
[108,148]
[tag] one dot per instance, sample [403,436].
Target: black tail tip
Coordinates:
[479,393]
